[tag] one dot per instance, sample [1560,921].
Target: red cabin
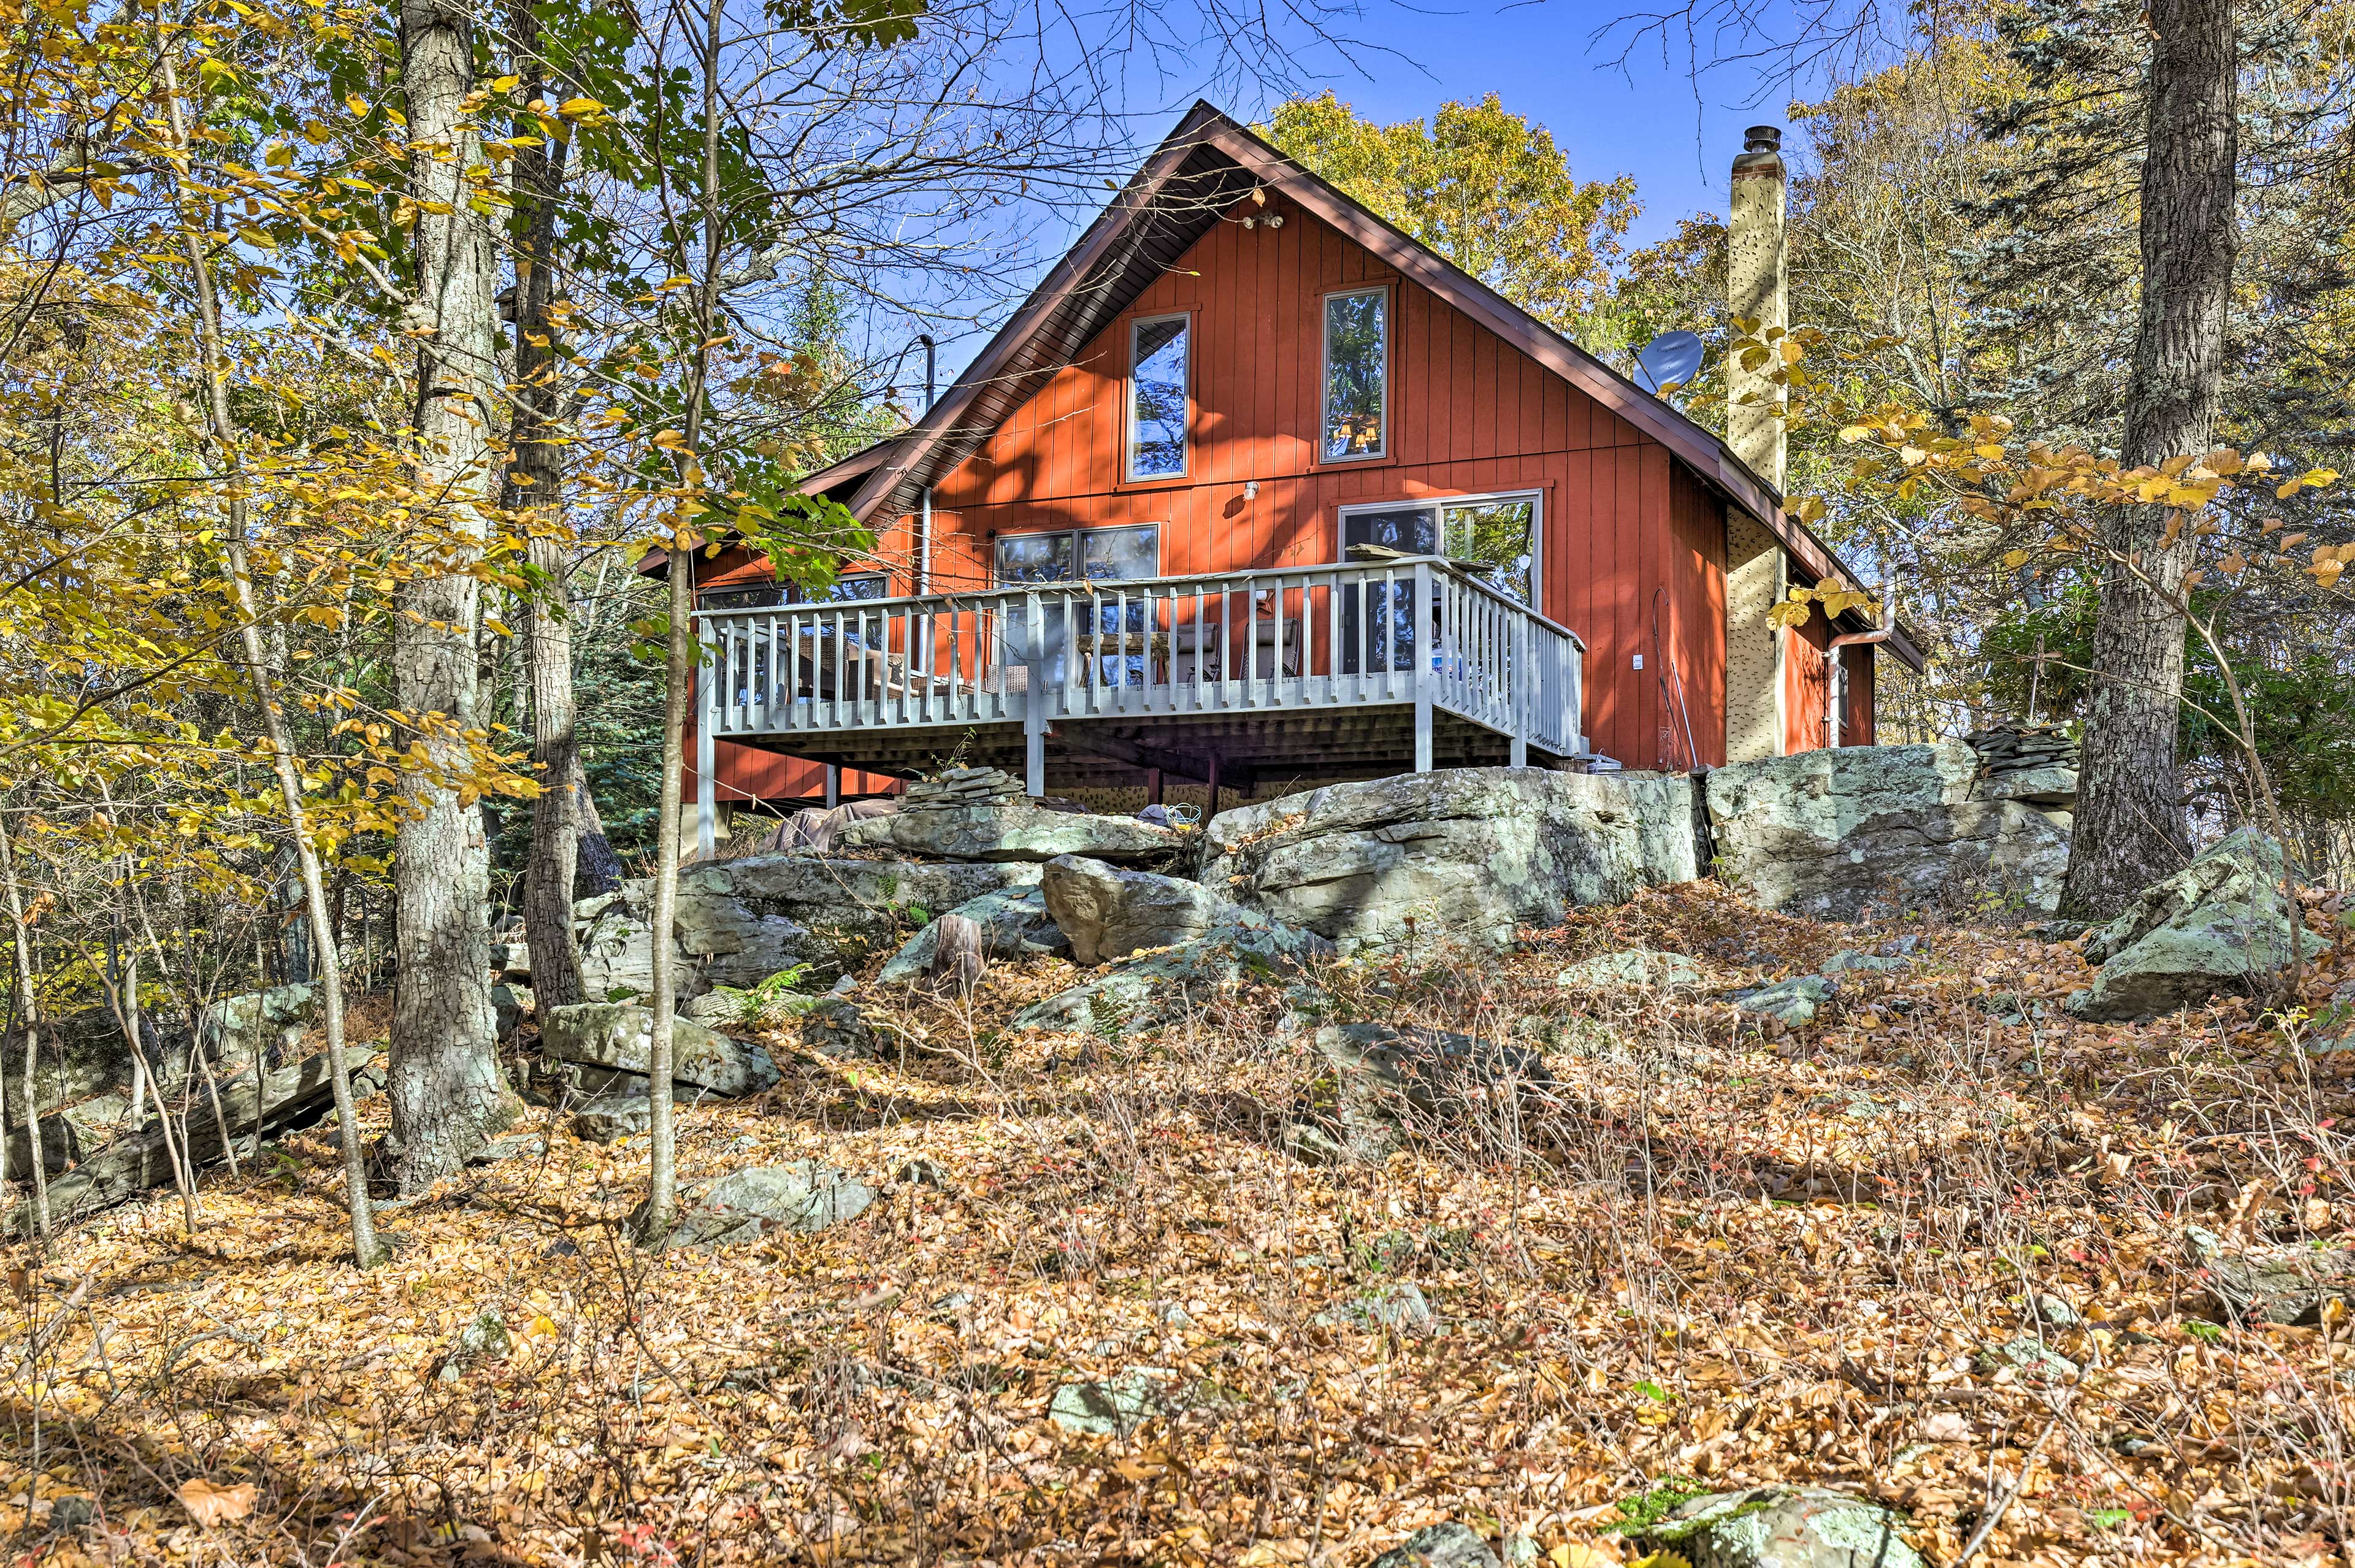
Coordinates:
[1255,489]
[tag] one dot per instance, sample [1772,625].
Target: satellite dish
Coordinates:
[1671,357]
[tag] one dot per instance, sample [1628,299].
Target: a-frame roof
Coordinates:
[1206,166]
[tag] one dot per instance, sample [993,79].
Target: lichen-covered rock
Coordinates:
[1632,966]
[621,1035]
[741,920]
[1785,1527]
[242,1028]
[1829,833]
[1400,1306]
[1448,1545]
[1014,925]
[1162,986]
[610,1118]
[1458,857]
[1111,1407]
[832,1025]
[1382,1084]
[1014,830]
[2272,1285]
[508,1003]
[2219,924]
[484,1339]
[1793,1002]
[744,1205]
[1110,911]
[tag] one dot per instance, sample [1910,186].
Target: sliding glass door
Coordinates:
[1495,538]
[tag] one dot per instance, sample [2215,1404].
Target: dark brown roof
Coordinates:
[1206,166]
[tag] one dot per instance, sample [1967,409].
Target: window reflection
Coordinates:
[1356,365]
[1157,413]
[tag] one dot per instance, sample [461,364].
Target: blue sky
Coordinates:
[1643,116]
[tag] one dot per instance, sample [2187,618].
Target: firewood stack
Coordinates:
[2037,765]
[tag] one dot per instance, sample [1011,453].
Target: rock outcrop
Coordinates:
[1832,833]
[741,922]
[293,1095]
[1110,911]
[2221,924]
[239,1029]
[620,1036]
[1460,857]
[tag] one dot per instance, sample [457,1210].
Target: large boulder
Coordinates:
[741,922]
[1163,986]
[2222,923]
[1018,829]
[620,1034]
[1111,912]
[1462,856]
[1829,833]
[1015,923]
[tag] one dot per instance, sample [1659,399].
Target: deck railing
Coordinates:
[1415,629]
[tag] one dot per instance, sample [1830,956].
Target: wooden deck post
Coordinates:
[833,786]
[1034,699]
[1517,683]
[1210,809]
[707,679]
[1153,786]
[1425,645]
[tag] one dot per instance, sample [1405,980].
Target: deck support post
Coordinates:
[833,786]
[1034,699]
[1425,650]
[1517,683]
[707,789]
[1153,786]
[1210,808]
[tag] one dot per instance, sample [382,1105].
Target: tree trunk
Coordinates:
[327,957]
[534,491]
[2129,826]
[449,1095]
[957,956]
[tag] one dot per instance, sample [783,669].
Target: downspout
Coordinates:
[924,515]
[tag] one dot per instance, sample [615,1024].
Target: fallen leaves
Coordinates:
[214,1506]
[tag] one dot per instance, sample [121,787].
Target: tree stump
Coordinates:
[957,960]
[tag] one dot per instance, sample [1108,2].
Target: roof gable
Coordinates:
[1206,166]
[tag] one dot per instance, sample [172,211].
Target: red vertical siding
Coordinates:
[1697,680]
[1807,685]
[1859,723]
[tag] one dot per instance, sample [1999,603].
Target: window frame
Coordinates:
[788,594]
[1534,494]
[1079,550]
[1127,477]
[1388,452]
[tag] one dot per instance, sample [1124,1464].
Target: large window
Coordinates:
[763,595]
[1094,554]
[1156,398]
[1493,536]
[1357,375]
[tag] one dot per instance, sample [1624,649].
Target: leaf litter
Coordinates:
[1935,1249]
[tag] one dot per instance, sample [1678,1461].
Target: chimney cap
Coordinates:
[1763,139]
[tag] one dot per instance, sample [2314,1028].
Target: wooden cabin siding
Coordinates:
[1469,415]
[1806,684]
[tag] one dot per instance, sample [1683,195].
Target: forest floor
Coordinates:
[1712,1259]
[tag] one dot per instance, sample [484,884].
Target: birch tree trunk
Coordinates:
[535,481]
[30,1010]
[2129,826]
[449,1095]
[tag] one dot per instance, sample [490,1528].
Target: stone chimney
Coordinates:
[1754,578]
[1756,290]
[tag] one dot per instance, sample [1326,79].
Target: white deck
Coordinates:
[1155,656]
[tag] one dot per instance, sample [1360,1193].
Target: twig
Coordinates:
[2003,1504]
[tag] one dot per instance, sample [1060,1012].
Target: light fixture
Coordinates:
[1276,221]
[1250,489]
